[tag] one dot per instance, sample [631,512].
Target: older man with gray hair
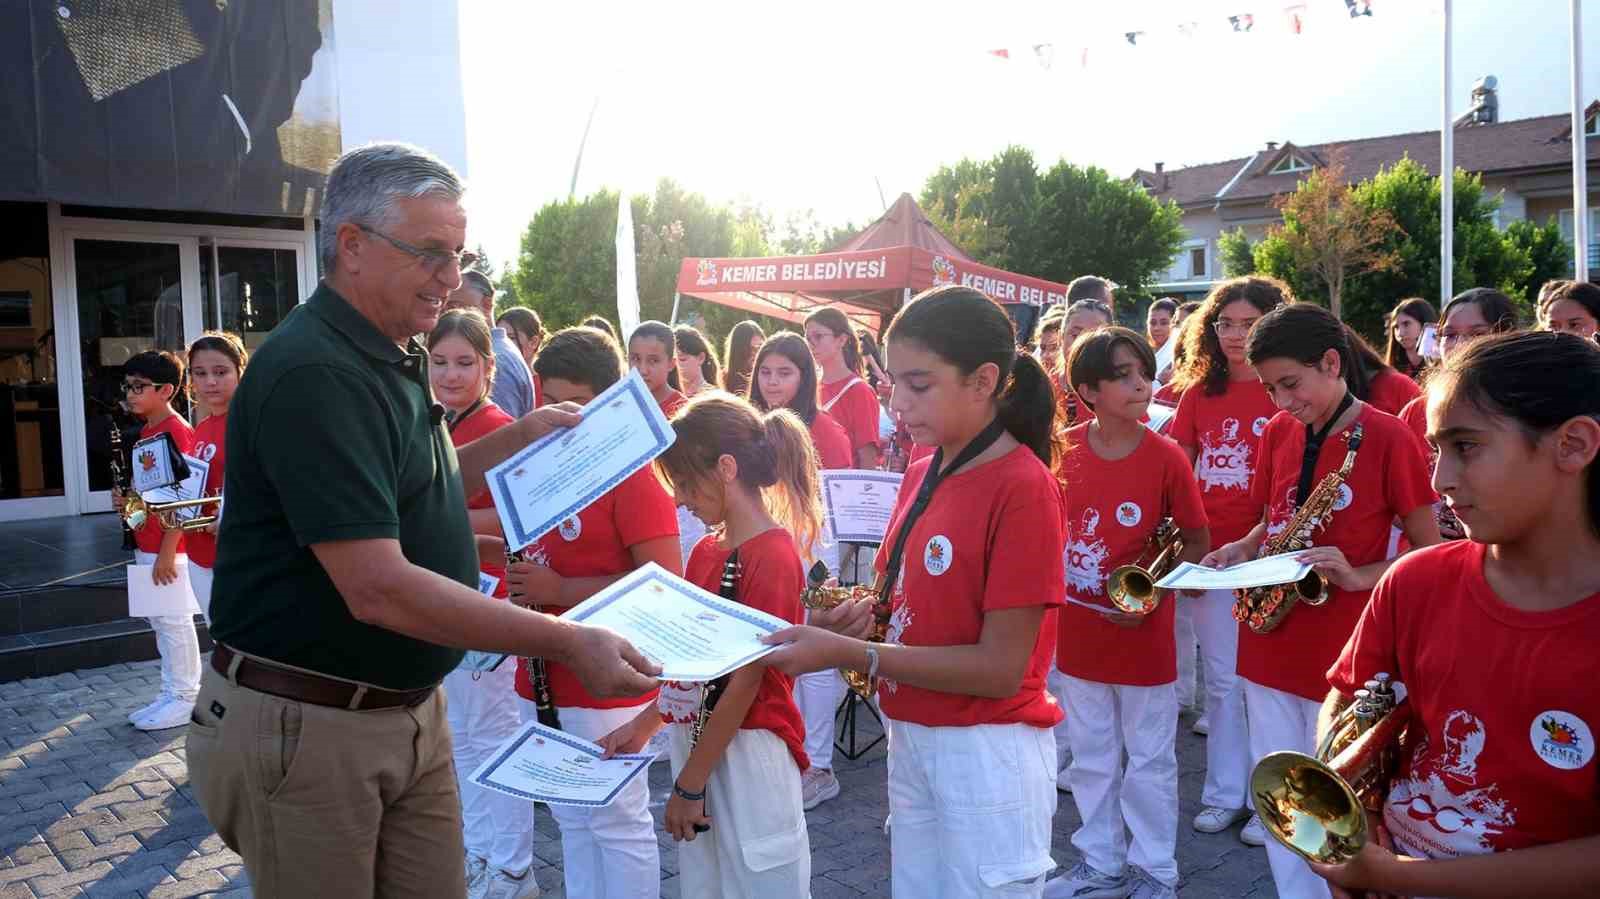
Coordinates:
[346,577]
[512,389]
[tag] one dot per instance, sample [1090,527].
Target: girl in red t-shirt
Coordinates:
[1494,639]
[216,362]
[1121,482]
[652,349]
[482,707]
[752,478]
[969,630]
[1222,412]
[608,851]
[786,378]
[842,393]
[1303,357]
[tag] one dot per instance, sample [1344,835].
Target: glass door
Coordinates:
[132,294]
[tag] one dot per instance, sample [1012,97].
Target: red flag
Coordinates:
[1296,15]
[1003,54]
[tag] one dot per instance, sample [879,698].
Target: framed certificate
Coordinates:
[859,503]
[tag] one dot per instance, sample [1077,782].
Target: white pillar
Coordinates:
[1447,183]
[1580,153]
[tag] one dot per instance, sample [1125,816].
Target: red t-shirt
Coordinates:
[208,447]
[1415,415]
[148,537]
[1112,508]
[770,580]
[484,420]
[596,544]
[1390,391]
[853,405]
[673,402]
[989,540]
[1389,481]
[1224,432]
[832,443]
[1504,703]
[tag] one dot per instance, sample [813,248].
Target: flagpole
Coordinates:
[1580,154]
[1447,177]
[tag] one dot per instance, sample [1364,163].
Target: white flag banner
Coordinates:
[627,271]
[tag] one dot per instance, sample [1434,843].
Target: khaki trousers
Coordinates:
[329,802]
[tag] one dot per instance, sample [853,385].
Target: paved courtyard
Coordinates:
[90,806]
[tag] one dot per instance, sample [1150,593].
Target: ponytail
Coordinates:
[792,498]
[1028,409]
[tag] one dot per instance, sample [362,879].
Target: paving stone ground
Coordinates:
[89,806]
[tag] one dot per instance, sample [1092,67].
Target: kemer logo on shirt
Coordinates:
[1562,739]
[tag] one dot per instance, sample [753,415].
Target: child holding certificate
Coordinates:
[482,708]
[216,362]
[1302,355]
[786,378]
[609,852]
[738,744]
[964,630]
[1122,482]
[1493,637]
[652,349]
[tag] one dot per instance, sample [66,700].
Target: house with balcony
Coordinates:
[1527,163]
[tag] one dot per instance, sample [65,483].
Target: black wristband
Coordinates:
[685,794]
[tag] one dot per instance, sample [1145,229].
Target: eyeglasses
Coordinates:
[1463,335]
[1223,327]
[136,387]
[432,260]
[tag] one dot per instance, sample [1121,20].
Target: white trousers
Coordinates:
[200,578]
[972,808]
[1278,721]
[1116,801]
[757,847]
[177,645]
[482,715]
[1186,652]
[610,852]
[818,695]
[1227,745]
[1056,683]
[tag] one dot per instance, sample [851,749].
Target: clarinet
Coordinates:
[539,676]
[711,692]
[120,478]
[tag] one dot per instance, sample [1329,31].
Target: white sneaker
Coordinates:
[1254,832]
[136,715]
[501,885]
[1147,887]
[174,712]
[817,786]
[1216,820]
[1202,726]
[477,868]
[1084,882]
[1064,780]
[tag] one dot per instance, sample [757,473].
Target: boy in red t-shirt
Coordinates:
[149,381]
[1499,666]
[1121,481]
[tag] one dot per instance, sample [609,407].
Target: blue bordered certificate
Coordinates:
[692,634]
[541,764]
[858,503]
[558,475]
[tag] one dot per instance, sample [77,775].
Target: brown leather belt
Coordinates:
[302,686]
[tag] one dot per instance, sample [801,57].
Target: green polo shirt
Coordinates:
[331,436]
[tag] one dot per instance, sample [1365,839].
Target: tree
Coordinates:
[1238,256]
[1329,234]
[1549,258]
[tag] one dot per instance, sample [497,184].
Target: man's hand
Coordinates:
[608,665]
[545,419]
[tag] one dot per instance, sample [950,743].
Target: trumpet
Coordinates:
[1132,588]
[821,596]
[1317,806]
[136,510]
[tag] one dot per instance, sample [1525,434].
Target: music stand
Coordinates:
[844,717]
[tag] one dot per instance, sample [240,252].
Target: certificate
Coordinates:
[859,503]
[693,635]
[191,487]
[147,599]
[541,764]
[561,473]
[1284,568]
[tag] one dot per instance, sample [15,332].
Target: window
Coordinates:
[1290,163]
[1591,126]
[1197,262]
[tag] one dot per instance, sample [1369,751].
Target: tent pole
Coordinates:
[674,319]
[1447,173]
[1580,155]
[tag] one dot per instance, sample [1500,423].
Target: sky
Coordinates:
[839,107]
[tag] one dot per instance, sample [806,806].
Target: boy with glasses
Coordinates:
[150,381]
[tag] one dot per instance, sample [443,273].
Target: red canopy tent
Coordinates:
[868,278]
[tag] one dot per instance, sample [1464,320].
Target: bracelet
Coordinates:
[685,794]
[872,664]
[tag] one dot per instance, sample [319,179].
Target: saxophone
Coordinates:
[1264,608]
[821,596]
[131,510]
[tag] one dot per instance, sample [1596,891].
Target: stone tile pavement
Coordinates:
[89,806]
